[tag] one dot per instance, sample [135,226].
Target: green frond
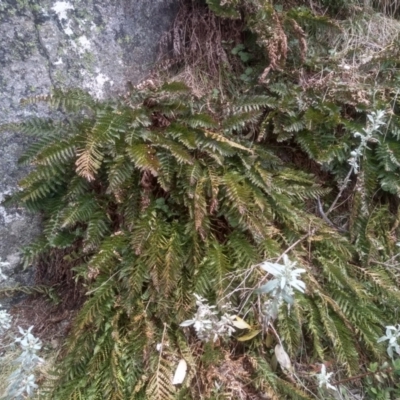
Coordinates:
[73,100]
[120,172]
[181,155]
[167,171]
[201,121]
[212,268]
[144,157]
[62,152]
[173,260]
[314,327]
[243,253]
[80,211]
[236,192]
[31,252]
[199,208]
[239,121]
[193,173]
[183,134]
[250,103]
[289,326]
[41,183]
[162,194]
[98,228]
[341,338]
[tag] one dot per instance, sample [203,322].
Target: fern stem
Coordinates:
[293,245]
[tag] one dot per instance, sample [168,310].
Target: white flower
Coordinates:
[29,385]
[286,279]
[324,378]
[28,342]
[392,334]
[206,322]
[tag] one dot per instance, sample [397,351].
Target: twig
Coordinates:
[92,291]
[293,245]
[346,181]
[325,218]
[388,262]
[162,344]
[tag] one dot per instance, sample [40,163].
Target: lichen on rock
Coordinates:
[94,45]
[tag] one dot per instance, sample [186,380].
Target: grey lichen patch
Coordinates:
[13,274]
[7,216]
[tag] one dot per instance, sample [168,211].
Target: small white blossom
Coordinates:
[286,279]
[207,324]
[392,336]
[28,342]
[324,378]
[281,289]
[30,385]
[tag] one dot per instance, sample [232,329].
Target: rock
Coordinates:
[97,45]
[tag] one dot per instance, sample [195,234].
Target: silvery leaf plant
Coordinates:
[281,288]
[208,323]
[324,379]
[375,121]
[392,336]
[22,380]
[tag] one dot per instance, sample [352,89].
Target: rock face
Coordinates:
[97,45]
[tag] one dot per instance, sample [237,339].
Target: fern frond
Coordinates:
[89,159]
[81,211]
[119,173]
[160,385]
[239,121]
[73,100]
[144,157]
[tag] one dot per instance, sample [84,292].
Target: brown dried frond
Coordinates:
[88,162]
[301,37]
[159,120]
[147,180]
[232,375]
[363,44]
[147,183]
[275,43]
[195,45]
[93,273]
[55,269]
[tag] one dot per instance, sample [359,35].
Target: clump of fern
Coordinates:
[161,195]
[164,199]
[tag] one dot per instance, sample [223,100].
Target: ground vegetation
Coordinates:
[232,222]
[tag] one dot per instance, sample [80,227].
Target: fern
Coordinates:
[162,194]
